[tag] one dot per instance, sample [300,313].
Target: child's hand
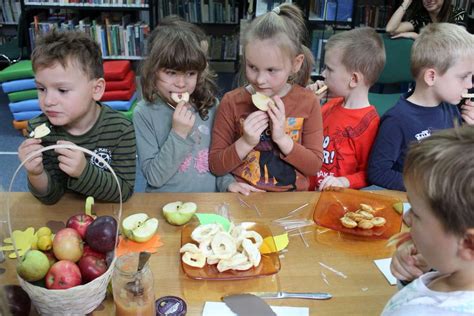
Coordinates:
[331,181]
[316,86]
[276,112]
[35,165]
[183,119]
[72,162]
[407,264]
[253,127]
[242,188]
[467,112]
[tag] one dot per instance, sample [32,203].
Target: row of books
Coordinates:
[10,11]
[200,11]
[373,16]
[224,47]
[139,3]
[331,10]
[124,40]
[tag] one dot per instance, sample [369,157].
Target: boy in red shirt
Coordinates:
[350,123]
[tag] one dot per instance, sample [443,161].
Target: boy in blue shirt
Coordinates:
[442,63]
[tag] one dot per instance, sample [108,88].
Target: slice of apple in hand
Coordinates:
[139,227]
[261,101]
[179,213]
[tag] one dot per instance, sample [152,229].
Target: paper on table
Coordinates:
[279,241]
[209,218]
[384,267]
[221,309]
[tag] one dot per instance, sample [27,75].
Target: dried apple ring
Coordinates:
[365,214]
[205,247]
[348,222]
[365,224]
[356,217]
[223,245]
[178,97]
[189,247]
[205,231]
[244,266]
[194,259]
[254,237]
[378,221]
[252,252]
[367,208]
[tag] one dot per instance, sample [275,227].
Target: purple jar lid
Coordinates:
[170,306]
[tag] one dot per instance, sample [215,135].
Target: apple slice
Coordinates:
[139,227]
[40,131]
[179,213]
[178,97]
[261,101]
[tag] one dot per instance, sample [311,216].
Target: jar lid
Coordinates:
[170,306]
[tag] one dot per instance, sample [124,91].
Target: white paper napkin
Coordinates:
[384,267]
[221,309]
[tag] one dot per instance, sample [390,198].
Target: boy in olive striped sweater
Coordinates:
[69,78]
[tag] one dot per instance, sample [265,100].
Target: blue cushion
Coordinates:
[18,85]
[22,116]
[24,106]
[122,105]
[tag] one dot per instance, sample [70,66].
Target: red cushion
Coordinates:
[116,69]
[119,95]
[124,84]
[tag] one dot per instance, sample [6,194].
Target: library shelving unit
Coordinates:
[218,18]
[119,26]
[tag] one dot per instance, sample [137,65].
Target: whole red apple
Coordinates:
[63,275]
[88,251]
[80,222]
[68,245]
[91,267]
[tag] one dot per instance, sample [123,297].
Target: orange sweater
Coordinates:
[265,167]
[348,138]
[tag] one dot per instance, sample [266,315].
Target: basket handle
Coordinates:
[66,146]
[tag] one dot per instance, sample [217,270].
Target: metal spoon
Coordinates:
[135,287]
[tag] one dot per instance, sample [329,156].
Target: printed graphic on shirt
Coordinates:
[201,162]
[423,134]
[105,154]
[263,166]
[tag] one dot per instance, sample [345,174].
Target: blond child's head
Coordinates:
[279,36]
[440,46]
[361,51]
[69,49]
[176,47]
[438,174]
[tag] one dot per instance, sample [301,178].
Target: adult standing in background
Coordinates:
[419,13]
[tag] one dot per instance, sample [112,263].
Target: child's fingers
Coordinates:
[326,182]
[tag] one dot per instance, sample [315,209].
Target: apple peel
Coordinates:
[89,203]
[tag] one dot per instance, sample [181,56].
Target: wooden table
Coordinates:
[365,291]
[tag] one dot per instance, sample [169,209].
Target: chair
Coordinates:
[13,51]
[395,76]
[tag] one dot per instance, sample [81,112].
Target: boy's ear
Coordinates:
[429,76]
[297,63]
[356,79]
[98,89]
[467,245]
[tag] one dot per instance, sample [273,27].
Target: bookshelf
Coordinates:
[120,27]
[220,19]
[9,17]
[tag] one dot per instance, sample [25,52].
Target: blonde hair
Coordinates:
[440,46]
[354,46]
[175,45]
[285,26]
[441,167]
[65,47]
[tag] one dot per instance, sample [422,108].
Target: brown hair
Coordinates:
[440,46]
[286,26]
[65,47]
[354,46]
[443,15]
[174,45]
[441,167]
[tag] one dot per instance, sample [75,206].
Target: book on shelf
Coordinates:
[268,5]
[373,16]
[121,3]
[331,10]
[10,11]
[116,39]
[223,47]
[200,11]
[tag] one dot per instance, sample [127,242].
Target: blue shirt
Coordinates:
[404,123]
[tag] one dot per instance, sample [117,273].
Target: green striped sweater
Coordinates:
[113,138]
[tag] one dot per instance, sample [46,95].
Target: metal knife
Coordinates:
[302,295]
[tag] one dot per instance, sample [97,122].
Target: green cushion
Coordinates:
[383,102]
[23,95]
[20,70]
[129,114]
[397,65]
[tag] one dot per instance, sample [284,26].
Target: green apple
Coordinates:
[179,213]
[139,227]
[33,266]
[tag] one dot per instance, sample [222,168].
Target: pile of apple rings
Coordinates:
[362,218]
[237,249]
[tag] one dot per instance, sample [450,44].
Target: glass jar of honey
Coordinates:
[132,285]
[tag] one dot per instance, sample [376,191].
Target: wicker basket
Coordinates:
[78,300]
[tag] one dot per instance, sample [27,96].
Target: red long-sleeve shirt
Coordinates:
[348,138]
[265,167]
